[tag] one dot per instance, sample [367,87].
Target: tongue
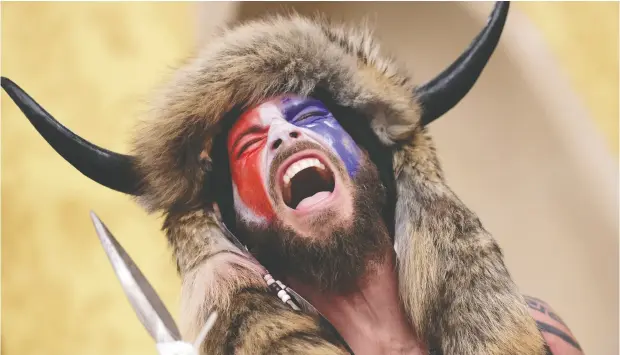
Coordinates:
[313,200]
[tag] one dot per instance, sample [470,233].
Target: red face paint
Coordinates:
[246,143]
[248,137]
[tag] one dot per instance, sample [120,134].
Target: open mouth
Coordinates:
[307,182]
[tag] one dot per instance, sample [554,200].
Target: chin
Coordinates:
[311,191]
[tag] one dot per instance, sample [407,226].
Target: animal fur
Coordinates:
[455,287]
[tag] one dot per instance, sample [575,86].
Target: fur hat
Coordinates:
[172,160]
[172,168]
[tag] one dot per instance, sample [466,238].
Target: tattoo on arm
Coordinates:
[541,307]
[538,305]
[544,327]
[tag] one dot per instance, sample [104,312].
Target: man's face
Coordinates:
[291,160]
[302,188]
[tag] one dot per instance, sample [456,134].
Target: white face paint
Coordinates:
[268,112]
[254,142]
[243,212]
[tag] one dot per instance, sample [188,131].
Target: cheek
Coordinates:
[342,144]
[247,176]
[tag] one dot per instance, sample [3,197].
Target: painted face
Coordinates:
[263,131]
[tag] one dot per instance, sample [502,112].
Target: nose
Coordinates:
[282,135]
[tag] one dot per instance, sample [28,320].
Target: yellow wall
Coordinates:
[91,65]
[584,38]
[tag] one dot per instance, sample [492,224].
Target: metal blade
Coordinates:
[147,305]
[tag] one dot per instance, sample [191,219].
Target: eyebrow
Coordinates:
[252,129]
[296,109]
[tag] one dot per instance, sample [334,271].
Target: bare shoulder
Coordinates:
[556,333]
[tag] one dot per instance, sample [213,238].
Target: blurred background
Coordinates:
[533,150]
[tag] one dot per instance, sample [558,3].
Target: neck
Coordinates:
[370,318]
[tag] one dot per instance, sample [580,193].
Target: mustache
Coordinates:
[284,154]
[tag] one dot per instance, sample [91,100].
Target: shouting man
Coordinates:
[309,144]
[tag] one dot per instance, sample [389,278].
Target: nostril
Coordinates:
[294,134]
[276,144]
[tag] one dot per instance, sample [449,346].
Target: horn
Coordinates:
[445,91]
[113,170]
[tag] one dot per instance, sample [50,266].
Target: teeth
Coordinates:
[299,166]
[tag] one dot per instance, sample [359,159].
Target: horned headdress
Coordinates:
[173,167]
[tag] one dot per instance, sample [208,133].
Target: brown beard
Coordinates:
[335,262]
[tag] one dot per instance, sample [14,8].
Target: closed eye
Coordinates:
[247,145]
[307,115]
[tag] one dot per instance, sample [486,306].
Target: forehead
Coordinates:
[280,107]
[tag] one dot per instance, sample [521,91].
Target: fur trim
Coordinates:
[241,68]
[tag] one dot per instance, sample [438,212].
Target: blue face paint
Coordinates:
[312,115]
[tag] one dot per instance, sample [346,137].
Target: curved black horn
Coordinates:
[113,170]
[442,93]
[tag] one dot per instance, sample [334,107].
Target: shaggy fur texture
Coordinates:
[453,282]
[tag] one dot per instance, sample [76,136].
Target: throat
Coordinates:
[371,317]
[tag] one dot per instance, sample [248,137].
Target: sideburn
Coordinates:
[336,263]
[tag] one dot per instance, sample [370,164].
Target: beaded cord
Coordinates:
[279,289]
